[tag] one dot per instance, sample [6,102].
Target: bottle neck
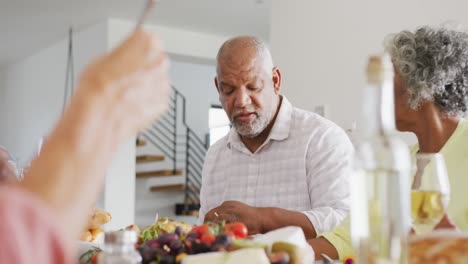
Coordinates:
[380,108]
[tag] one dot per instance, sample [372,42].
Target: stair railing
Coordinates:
[178,142]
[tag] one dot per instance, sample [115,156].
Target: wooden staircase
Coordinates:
[149,158]
[191,209]
[144,159]
[178,143]
[140,142]
[171,187]
[159,173]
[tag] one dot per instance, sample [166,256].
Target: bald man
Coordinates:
[279,165]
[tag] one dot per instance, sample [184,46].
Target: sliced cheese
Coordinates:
[244,256]
[291,234]
[288,238]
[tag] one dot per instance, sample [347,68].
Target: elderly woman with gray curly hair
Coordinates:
[431,98]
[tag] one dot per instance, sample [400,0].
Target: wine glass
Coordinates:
[430,192]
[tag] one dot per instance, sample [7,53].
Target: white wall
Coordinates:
[322,46]
[179,42]
[196,82]
[119,188]
[32,96]
[34,89]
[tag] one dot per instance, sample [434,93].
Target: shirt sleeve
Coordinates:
[202,211]
[328,167]
[203,189]
[340,238]
[29,233]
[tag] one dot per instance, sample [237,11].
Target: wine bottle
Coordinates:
[380,187]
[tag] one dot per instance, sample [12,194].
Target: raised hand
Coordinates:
[133,79]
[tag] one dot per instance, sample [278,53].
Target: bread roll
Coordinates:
[133,227]
[98,235]
[86,236]
[99,218]
[439,250]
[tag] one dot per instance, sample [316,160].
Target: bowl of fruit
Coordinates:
[222,243]
[171,242]
[173,247]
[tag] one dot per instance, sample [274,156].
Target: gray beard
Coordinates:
[256,127]
[252,129]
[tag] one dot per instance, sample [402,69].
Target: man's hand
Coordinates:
[233,211]
[260,220]
[132,80]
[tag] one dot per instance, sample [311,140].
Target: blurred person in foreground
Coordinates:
[117,95]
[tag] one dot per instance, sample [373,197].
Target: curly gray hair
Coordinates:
[434,64]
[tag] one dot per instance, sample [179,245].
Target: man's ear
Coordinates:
[216,83]
[276,78]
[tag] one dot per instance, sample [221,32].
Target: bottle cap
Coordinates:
[121,237]
[379,69]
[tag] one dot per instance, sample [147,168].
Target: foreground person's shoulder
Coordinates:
[30,230]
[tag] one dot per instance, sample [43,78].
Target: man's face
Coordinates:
[249,93]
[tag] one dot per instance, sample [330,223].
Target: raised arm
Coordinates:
[117,95]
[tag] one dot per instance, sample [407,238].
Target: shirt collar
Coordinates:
[282,125]
[279,131]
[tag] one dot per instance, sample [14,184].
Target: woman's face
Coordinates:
[404,116]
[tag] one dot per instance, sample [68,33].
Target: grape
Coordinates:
[166,239]
[154,243]
[175,246]
[147,254]
[188,246]
[221,243]
[178,231]
[192,236]
[200,248]
[222,240]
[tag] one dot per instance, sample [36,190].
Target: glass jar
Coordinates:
[119,248]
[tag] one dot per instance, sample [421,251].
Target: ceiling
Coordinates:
[27,26]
